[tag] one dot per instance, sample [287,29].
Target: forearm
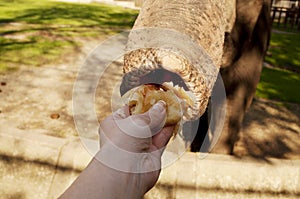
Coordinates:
[100,181]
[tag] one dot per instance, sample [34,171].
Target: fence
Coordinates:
[286,17]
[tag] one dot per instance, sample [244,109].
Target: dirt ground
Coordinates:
[40,100]
[271,130]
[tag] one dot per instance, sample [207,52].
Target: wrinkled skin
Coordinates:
[235,35]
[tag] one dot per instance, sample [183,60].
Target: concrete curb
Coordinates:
[226,174]
[32,146]
[190,172]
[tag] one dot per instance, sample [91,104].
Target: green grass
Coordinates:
[36,32]
[279,84]
[285,49]
[284,28]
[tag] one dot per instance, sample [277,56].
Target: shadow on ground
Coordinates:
[271,129]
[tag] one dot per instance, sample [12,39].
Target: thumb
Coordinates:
[144,125]
[157,115]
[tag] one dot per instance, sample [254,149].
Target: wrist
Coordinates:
[121,184]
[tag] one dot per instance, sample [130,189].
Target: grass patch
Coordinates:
[279,84]
[38,32]
[285,28]
[285,49]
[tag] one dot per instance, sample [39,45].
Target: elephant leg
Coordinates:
[241,78]
[243,57]
[240,87]
[240,93]
[199,138]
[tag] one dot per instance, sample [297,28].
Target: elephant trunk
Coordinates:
[184,38]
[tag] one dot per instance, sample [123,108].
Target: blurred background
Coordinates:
[42,46]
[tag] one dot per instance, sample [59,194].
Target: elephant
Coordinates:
[234,34]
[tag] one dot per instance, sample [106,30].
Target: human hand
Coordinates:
[134,144]
[129,161]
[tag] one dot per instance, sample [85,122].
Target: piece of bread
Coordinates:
[178,101]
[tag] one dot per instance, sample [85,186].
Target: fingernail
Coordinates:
[159,106]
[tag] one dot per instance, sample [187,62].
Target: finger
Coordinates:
[153,120]
[162,138]
[157,115]
[144,125]
[121,113]
[109,121]
[136,126]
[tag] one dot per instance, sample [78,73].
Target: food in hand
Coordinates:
[178,101]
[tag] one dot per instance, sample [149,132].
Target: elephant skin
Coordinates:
[233,33]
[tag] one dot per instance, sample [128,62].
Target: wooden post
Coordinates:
[279,18]
[274,14]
